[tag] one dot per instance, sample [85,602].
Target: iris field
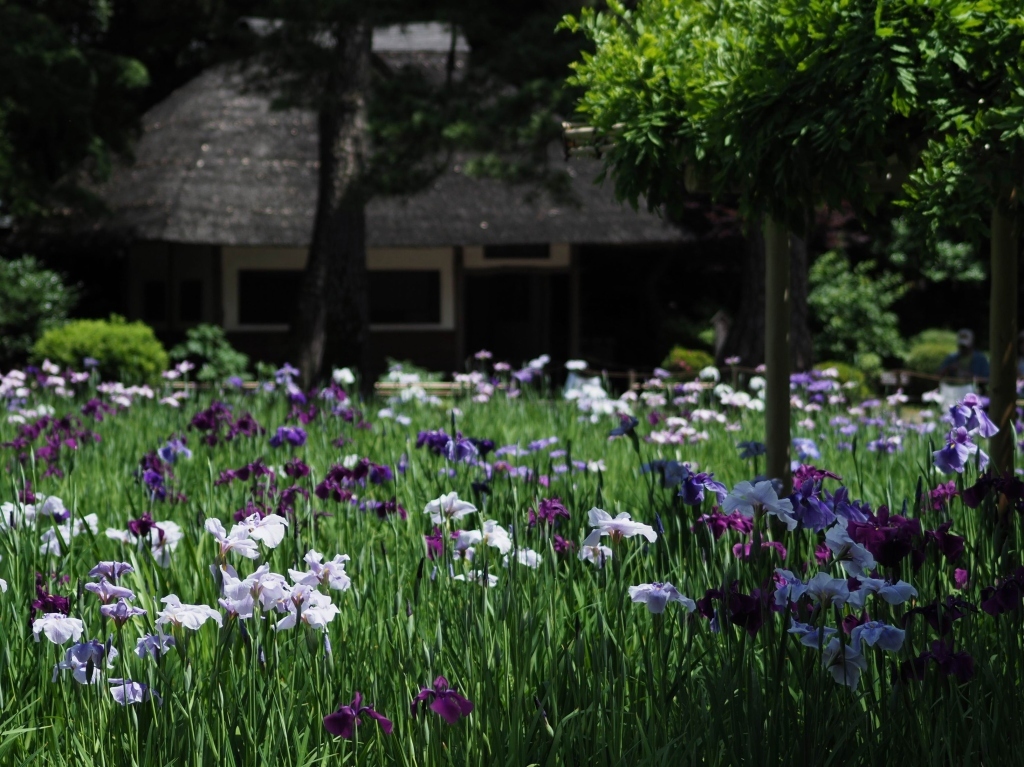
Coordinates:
[270,576]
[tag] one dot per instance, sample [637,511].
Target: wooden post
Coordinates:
[776,350]
[1002,386]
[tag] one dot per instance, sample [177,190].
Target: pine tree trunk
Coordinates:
[332,319]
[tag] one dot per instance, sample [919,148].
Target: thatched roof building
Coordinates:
[222,187]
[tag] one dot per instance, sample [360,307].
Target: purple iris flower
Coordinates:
[155,482]
[541,444]
[719,523]
[174,447]
[443,700]
[379,474]
[958,450]
[812,513]
[296,468]
[672,472]
[889,537]
[293,435]
[235,382]
[627,424]
[285,374]
[969,414]
[458,449]
[434,441]
[111,570]
[549,511]
[695,485]
[120,612]
[343,722]
[435,544]
[805,448]
[949,545]
[90,362]
[751,449]
[840,503]
[483,446]
[126,692]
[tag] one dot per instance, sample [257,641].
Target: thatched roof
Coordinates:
[215,165]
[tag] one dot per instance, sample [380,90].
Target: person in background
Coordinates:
[966,362]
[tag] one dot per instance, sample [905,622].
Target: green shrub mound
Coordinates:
[126,351]
[687,361]
[209,349]
[929,348]
[32,300]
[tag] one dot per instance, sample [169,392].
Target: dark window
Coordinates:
[154,301]
[190,301]
[505,252]
[405,297]
[267,296]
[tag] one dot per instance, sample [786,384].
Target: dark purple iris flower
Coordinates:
[343,722]
[941,614]
[483,446]
[1009,485]
[111,570]
[1005,595]
[695,485]
[751,449]
[142,526]
[626,427]
[719,523]
[443,700]
[889,537]
[959,664]
[742,550]
[672,472]
[549,511]
[46,602]
[293,435]
[746,611]
[805,472]
[434,441]
[378,474]
[943,495]
[562,546]
[296,468]
[435,544]
[949,545]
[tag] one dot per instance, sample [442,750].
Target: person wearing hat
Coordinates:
[966,362]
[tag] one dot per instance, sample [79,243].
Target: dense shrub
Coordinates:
[209,349]
[851,308]
[32,300]
[929,348]
[126,351]
[687,361]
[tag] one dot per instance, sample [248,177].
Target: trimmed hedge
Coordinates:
[687,361]
[126,351]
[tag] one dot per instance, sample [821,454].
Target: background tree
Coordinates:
[65,103]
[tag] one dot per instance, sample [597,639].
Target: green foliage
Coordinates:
[207,347]
[687,361]
[126,351]
[65,102]
[852,308]
[929,348]
[32,300]
[931,258]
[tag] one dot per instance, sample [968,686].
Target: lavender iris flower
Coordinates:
[810,636]
[805,448]
[111,570]
[154,645]
[126,692]
[293,435]
[343,722]
[443,700]
[108,592]
[969,414]
[85,660]
[120,612]
[879,634]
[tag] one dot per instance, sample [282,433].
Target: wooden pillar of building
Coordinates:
[1002,388]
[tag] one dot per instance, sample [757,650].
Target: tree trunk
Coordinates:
[1002,387]
[777,286]
[332,319]
[747,331]
[801,349]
